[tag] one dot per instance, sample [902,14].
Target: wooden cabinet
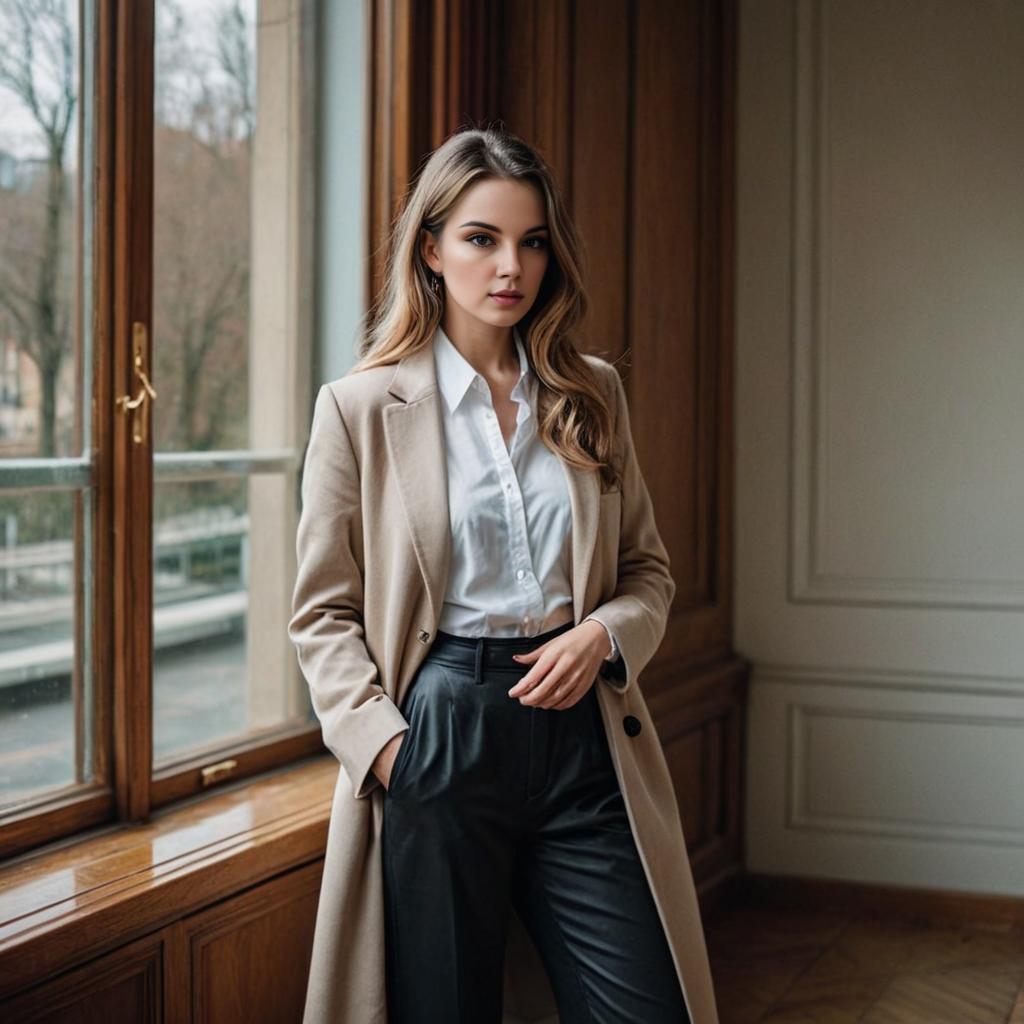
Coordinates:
[244,959]
[125,985]
[203,913]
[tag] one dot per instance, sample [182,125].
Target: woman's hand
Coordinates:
[385,760]
[564,668]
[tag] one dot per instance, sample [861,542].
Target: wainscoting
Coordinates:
[879,475]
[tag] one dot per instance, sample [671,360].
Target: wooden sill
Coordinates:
[63,905]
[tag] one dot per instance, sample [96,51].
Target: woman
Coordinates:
[480,583]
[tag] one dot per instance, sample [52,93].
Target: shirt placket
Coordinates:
[521,560]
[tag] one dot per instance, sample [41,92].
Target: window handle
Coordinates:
[146,391]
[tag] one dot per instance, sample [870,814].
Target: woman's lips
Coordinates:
[507,300]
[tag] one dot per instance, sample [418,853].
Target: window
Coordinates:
[156,374]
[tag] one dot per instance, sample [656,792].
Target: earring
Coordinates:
[435,283]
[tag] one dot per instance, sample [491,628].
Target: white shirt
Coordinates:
[509,508]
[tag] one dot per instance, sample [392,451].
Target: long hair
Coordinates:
[573,418]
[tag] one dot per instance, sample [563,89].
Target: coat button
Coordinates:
[631,724]
[424,636]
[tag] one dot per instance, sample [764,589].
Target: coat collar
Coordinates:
[414,429]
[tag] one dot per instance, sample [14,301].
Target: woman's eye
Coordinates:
[541,242]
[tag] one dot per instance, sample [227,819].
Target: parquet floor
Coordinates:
[776,966]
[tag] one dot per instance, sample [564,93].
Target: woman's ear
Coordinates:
[428,250]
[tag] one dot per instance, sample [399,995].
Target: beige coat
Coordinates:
[373,547]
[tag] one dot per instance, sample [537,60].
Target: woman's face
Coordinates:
[495,240]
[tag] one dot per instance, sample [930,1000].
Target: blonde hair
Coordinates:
[573,418]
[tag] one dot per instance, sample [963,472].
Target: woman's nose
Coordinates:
[510,260]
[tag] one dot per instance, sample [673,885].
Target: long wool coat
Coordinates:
[374,545]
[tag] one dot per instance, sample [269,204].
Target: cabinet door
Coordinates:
[124,985]
[246,959]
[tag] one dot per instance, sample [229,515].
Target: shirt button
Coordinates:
[520,574]
[508,487]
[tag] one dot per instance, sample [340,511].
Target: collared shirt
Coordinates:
[509,508]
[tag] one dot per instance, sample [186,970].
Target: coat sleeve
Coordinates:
[356,716]
[637,613]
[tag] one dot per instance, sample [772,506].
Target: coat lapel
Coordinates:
[414,429]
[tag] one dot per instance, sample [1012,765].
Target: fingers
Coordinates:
[559,677]
[558,690]
[574,697]
[539,690]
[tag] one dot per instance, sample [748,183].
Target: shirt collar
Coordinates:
[455,375]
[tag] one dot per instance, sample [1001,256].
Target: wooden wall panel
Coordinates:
[663,260]
[632,104]
[598,177]
[430,69]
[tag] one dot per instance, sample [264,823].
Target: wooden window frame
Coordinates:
[430,70]
[125,789]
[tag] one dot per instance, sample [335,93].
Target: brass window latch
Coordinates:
[215,772]
[139,404]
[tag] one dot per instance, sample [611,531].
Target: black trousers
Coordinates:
[493,804]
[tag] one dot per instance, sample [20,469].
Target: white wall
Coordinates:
[880,439]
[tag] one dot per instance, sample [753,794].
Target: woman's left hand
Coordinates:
[564,668]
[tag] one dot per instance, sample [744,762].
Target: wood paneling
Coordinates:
[632,105]
[125,985]
[430,69]
[228,948]
[210,966]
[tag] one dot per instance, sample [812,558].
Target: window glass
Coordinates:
[46,499]
[226,335]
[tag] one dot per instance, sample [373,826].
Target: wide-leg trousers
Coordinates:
[493,804]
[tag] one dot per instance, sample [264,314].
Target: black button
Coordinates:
[631,724]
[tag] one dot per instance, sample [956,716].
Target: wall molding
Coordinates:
[911,681]
[809,579]
[799,816]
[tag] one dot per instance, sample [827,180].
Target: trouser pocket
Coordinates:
[425,708]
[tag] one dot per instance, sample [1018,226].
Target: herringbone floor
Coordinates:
[782,967]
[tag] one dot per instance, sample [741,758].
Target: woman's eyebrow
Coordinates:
[496,230]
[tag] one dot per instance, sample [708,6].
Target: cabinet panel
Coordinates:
[246,959]
[124,985]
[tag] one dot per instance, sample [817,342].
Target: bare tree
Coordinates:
[237,60]
[202,240]
[37,66]
[205,118]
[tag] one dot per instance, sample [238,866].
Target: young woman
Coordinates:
[480,583]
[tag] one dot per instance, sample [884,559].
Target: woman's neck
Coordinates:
[490,350]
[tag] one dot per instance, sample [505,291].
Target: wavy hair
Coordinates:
[573,417]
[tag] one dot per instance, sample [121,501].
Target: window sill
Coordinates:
[62,906]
